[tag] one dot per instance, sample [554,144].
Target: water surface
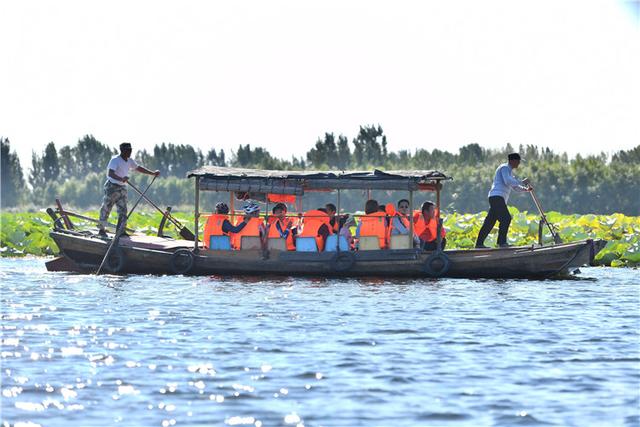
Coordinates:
[186,351]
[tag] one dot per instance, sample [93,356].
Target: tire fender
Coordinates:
[182,261]
[342,261]
[437,264]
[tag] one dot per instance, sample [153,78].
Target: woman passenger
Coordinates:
[426,226]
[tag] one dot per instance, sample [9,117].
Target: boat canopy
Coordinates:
[217,178]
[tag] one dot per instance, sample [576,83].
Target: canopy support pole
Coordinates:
[232,208]
[337,220]
[410,219]
[439,219]
[196,215]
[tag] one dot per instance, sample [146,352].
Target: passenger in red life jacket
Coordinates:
[340,224]
[215,223]
[315,223]
[218,224]
[426,225]
[337,221]
[282,227]
[374,223]
[400,222]
[251,226]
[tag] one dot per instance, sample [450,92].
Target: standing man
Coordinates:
[115,188]
[503,183]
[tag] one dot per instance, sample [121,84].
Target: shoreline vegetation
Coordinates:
[603,183]
[595,183]
[27,233]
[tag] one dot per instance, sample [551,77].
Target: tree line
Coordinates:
[584,184]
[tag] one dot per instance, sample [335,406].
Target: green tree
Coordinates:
[44,169]
[36,177]
[11,175]
[324,153]
[370,146]
[344,153]
[214,158]
[471,154]
[50,164]
[90,155]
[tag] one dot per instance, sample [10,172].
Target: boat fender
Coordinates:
[116,261]
[437,264]
[342,261]
[182,261]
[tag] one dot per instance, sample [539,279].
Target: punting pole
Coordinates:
[196,214]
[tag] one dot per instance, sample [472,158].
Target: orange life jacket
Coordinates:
[404,219]
[281,198]
[213,227]
[251,229]
[311,222]
[275,234]
[375,224]
[427,231]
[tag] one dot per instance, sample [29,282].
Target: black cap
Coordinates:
[514,156]
[125,146]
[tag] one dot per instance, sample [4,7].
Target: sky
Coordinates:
[562,74]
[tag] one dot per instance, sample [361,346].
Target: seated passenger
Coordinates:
[215,225]
[373,223]
[316,224]
[425,225]
[339,223]
[250,226]
[400,221]
[281,227]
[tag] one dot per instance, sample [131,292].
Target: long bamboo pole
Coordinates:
[411,219]
[196,215]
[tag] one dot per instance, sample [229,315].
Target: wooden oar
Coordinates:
[185,233]
[120,229]
[142,195]
[115,239]
[556,238]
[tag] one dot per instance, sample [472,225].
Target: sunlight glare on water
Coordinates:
[152,350]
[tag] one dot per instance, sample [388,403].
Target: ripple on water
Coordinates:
[151,350]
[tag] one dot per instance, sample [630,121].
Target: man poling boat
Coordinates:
[503,183]
[115,187]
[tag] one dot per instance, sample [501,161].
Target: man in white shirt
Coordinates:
[503,183]
[115,188]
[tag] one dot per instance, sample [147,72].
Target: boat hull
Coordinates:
[149,255]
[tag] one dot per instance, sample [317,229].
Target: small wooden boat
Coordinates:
[82,251]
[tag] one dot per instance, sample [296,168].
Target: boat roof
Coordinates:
[218,178]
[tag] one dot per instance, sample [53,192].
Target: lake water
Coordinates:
[185,351]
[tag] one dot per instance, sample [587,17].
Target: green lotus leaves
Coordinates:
[28,233]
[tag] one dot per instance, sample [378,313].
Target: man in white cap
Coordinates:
[503,183]
[115,188]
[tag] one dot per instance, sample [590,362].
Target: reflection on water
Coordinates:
[150,350]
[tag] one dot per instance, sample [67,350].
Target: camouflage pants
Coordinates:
[114,194]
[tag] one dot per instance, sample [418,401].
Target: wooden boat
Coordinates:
[82,251]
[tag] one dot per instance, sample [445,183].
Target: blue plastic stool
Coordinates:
[220,243]
[306,244]
[331,244]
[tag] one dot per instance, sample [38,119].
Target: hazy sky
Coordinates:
[278,74]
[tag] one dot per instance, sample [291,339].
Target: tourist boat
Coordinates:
[83,250]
